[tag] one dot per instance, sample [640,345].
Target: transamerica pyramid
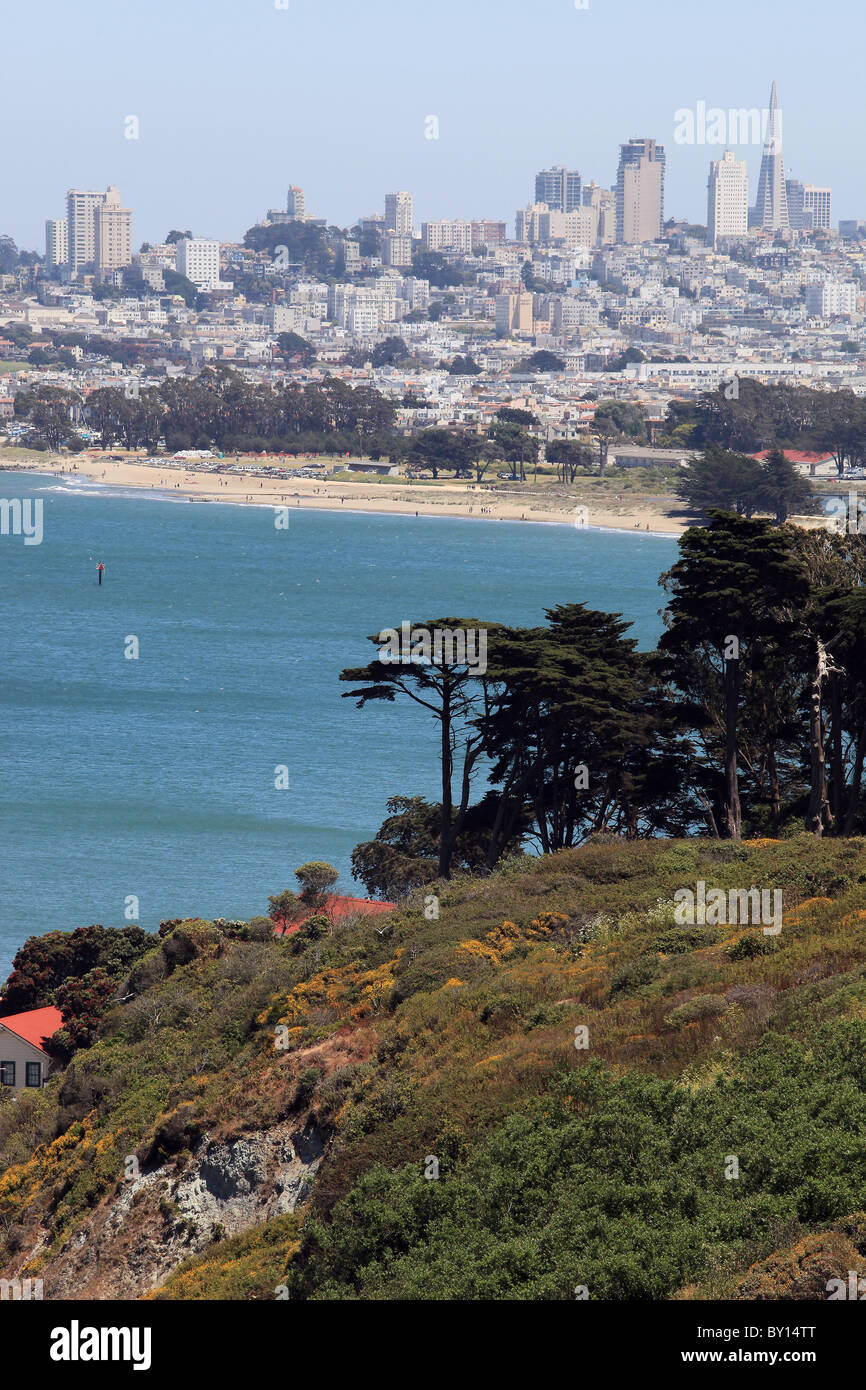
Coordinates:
[771,207]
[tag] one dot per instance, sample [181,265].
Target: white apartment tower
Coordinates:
[296,204]
[399,213]
[727,198]
[81,208]
[56,242]
[198,258]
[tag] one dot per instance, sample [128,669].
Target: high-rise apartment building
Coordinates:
[640,191]
[296,204]
[447,236]
[514,314]
[771,207]
[727,198]
[198,258]
[81,208]
[528,223]
[603,202]
[818,202]
[399,213]
[113,242]
[397,249]
[559,188]
[56,242]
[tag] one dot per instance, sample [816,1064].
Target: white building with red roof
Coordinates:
[23,1059]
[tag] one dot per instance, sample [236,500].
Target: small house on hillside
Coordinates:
[335,907]
[23,1060]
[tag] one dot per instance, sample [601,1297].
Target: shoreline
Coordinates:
[384,499]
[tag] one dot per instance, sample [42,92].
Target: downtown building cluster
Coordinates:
[631,303]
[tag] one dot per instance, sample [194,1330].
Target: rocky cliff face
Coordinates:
[137,1237]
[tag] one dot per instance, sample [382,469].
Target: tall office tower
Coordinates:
[81,206]
[727,198]
[640,191]
[771,208]
[559,188]
[799,220]
[296,205]
[603,202]
[818,201]
[113,244]
[399,213]
[56,242]
[198,258]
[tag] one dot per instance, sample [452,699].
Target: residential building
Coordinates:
[113,245]
[640,191]
[23,1059]
[488,234]
[603,202]
[198,258]
[559,188]
[397,250]
[399,213]
[446,235]
[831,299]
[56,242]
[81,207]
[727,198]
[296,204]
[514,314]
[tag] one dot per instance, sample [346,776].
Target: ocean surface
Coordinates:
[153,778]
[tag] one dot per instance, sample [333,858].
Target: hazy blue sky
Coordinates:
[237,99]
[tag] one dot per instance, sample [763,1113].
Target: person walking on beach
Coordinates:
[99,570]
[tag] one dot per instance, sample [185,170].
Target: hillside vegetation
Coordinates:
[599,1163]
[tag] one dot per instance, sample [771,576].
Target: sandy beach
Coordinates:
[463,499]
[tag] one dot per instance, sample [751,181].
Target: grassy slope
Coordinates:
[603,1167]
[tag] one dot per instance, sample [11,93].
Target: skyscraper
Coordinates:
[727,198]
[559,188]
[56,242]
[818,202]
[399,213]
[771,208]
[640,191]
[81,206]
[113,241]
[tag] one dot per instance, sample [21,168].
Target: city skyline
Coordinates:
[215,150]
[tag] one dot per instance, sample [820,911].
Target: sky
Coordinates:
[237,99]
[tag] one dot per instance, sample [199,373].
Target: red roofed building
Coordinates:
[335,907]
[803,459]
[23,1060]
